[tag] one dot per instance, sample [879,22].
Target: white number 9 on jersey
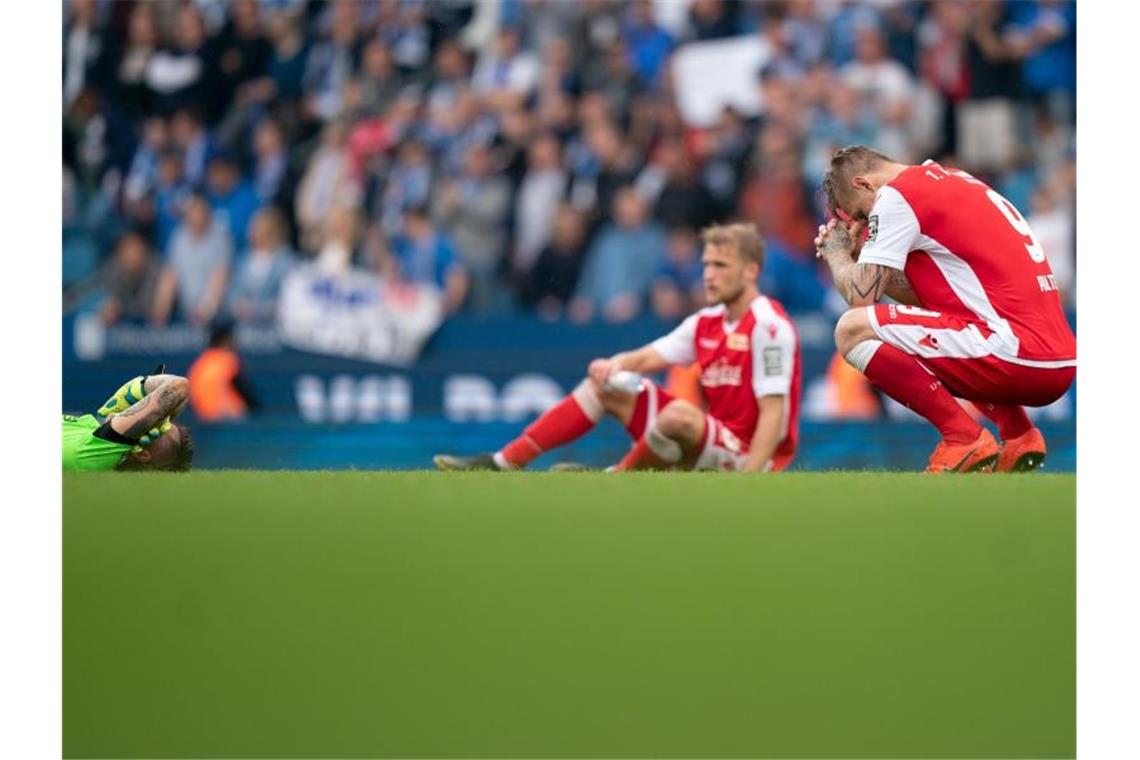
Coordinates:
[1033,247]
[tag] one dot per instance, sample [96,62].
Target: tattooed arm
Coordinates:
[859,284]
[164,401]
[899,289]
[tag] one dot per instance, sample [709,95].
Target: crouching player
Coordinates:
[133,430]
[749,356]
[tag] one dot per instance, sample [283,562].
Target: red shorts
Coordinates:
[721,450]
[967,357]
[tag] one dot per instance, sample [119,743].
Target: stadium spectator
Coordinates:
[450,75]
[197,265]
[129,278]
[259,273]
[843,121]
[1043,35]
[774,197]
[536,203]
[648,44]
[722,154]
[943,65]
[507,74]
[85,49]
[233,198]
[713,19]
[776,34]
[511,144]
[286,72]
[886,85]
[619,269]
[424,256]
[170,194]
[193,141]
[329,66]
[408,184]
[339,240]
[272,173]
[683,199]
[129,84]
[474,210]
[142,176]
[807,32]
[240,55]
[326,184]
[177,73]
[678,289]
[403,28]
[374,92]
[552,279]
[606,166]
[615,80]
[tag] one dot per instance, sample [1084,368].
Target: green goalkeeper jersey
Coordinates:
[84,450]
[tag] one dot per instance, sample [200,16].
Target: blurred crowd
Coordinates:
[520,154]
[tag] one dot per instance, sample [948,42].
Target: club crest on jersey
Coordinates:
[872,228]
[737,342]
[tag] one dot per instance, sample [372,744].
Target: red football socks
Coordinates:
[564,422]
[901,377]
[1011,419]
[641,457]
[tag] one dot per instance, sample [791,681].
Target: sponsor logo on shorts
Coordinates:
[773,361]
[737,342]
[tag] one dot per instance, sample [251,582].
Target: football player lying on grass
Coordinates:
[133,430]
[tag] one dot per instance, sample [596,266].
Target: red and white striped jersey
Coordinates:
[759,355]
[969,253]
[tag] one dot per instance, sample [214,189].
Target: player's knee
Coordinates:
[592,398]
[852,329]
[679,421]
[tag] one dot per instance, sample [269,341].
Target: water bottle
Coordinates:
[625,381]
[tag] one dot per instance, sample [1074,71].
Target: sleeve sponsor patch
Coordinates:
[773,361]
[872,228]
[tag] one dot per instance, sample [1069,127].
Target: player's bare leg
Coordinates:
[567,421]
[966,446]
[678,431]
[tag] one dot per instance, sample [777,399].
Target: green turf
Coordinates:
[429,615]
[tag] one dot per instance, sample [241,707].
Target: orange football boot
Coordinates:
[1024,453]
[979,456]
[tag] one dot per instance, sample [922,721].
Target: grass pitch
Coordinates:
[242,614]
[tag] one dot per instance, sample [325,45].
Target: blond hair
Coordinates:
[743,236]
[845,164]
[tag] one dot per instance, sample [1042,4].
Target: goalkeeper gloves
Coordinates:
[129,394]
[154,434]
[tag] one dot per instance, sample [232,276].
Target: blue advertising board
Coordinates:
[472,388]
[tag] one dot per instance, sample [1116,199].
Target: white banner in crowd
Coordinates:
[712,75]
[357,315]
